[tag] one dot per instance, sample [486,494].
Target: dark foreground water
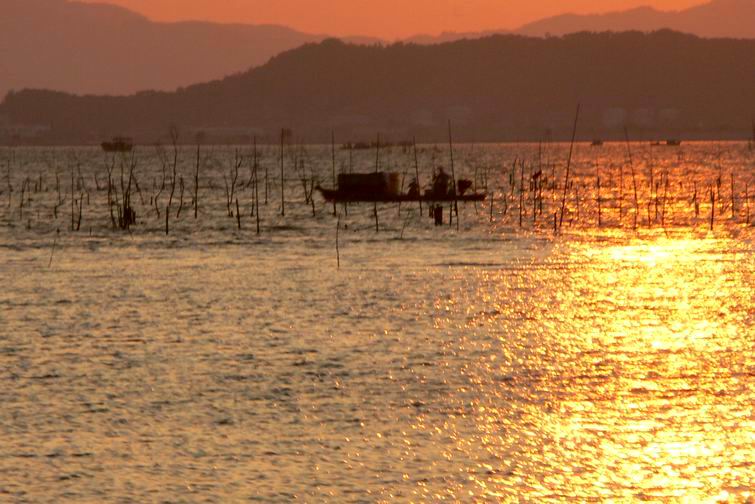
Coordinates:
[605,362]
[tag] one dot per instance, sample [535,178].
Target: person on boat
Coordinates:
[440,183]
[413,189]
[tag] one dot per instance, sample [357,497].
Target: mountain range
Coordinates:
[717,19]
[502,87]
[102,49]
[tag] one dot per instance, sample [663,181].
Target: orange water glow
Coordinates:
[634,381]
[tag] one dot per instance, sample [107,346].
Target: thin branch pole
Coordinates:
[377,167]
[568,167]
[453,173]
[634,178]
[338,249]
[256,187]
[416,172]
[283,194]
[333,156]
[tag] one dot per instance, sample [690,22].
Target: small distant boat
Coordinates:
[597,142]
[365,145]
[118,144]
[671,142]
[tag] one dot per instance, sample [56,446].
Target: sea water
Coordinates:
[608,354]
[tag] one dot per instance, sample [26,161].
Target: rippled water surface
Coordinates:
[611,360]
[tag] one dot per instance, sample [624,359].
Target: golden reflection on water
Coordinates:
[634,381]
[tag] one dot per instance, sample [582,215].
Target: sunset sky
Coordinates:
[382,18]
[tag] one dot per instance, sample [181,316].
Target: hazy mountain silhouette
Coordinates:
[719,18]
[500,87]
[104,49]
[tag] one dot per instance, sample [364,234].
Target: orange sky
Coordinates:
[382,18]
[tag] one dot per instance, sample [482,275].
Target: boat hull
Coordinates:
[363,197]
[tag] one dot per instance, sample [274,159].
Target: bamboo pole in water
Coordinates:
[416,172]
[665,198]
[599,199]
[521,192]
[333,157]
[338,248]
[634,179]
[377,168]
[568,167]
[694,200]
[283,193]
[492,197]
[712,207]
[73,200]
[621,192]
[453,175]
[732,194]
[256,188]
[196,182]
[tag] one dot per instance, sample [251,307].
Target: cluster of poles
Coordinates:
[187,186]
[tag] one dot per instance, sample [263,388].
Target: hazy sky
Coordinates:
[382,18]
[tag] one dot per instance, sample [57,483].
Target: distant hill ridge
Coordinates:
[716,19]
[103,49]
[719,19]
[496,88]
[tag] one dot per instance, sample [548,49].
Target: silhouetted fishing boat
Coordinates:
[339,196]
[118,144]
[383,187]
[597,143]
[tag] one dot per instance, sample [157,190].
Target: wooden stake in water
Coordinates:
[521,193]
[333,156]
[732,195]
[416,172]
[283,193]
[492,197]
[694,200]
[196,184]
[55,242]
[453,174]
[599,199]
[256,187]
[377,168]
[621,192]
[712,207]
[72,200]
[568,167]
[634,179]
[338,249]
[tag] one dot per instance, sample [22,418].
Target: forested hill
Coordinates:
[504,87]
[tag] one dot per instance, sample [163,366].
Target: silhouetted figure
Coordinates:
[413,188]
[440,183]
[463,185]
[437,212]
